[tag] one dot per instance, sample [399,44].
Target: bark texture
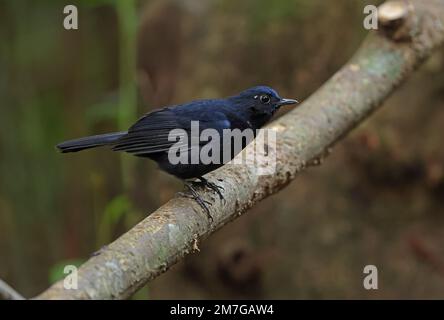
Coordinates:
[304,137]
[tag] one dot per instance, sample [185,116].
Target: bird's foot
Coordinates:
[195,196]
[210,185]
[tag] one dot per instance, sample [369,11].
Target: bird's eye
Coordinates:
[265,99]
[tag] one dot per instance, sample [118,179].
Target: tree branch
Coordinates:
[7,293]
[304,137]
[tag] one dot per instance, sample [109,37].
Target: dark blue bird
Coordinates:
[149,136]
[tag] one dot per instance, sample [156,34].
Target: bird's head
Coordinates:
[261,102]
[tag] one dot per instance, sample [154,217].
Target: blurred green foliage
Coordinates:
[57,271]
[131,56]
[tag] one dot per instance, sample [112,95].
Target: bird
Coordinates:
[150,136]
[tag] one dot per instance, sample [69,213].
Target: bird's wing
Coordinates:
[151,133]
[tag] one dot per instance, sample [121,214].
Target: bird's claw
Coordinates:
[192,196]
[211,185]
[195,196]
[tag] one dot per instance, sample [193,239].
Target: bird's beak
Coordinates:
[285,102]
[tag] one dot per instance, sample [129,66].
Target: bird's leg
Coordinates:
[194,195]
[211,185]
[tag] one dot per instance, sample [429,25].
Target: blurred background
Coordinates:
[378,199]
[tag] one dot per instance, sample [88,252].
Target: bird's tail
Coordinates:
[89,142]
